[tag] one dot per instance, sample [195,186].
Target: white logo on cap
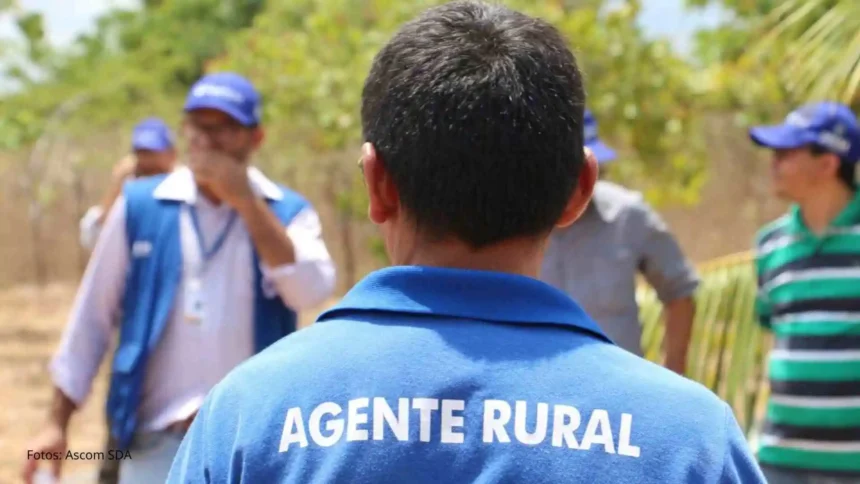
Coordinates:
[834,142]
[218,91]
[590,131]
[147,137]
[797,119]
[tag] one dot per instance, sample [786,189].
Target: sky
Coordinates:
[669,18]
[65,19]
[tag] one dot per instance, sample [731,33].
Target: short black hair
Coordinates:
[845,172]
[476,111]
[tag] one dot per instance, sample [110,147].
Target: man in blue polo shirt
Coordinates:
[457,364]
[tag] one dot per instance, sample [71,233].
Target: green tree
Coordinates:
[72,100]
[809,49]
[309,58]
[819,42]
[135,63]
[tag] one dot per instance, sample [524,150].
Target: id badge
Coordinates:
[194,301]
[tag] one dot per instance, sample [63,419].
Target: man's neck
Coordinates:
[209,195]
[521,257]
[819,211]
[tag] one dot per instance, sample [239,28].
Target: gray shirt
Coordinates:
[596,260]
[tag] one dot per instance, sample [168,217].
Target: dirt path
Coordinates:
[31,323]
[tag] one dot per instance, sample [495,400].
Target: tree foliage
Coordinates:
[309,57]
[793,50]
[134,63]
[819,42]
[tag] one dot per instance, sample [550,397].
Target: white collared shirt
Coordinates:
[90,227]
[190,358]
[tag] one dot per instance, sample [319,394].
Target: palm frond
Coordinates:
[815,44]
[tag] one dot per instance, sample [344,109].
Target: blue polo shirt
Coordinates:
[429,375]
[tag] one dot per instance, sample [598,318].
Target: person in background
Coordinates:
[596,261]
[206,266]
[808,267]
[152,153]
[456,364]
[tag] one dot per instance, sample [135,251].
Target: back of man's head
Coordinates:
[476,112]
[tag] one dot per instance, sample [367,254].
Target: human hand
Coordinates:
[50,445]
[189,421]
[221,174]
[124,168]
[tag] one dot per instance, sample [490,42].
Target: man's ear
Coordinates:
[170,157]
[258,135]
[581,196]
[833,164]
[383,201]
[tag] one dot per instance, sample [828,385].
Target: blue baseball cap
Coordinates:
[229,93]
[601,151]
[151,134]
[829,125]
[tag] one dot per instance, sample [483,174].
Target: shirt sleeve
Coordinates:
[739,464]
[310,280]
[96,308]
[90,227]
[663,263]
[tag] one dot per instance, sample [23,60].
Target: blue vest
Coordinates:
[154,274]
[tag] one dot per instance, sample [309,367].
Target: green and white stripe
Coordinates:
[809,296]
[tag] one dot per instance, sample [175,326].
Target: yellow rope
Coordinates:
[737,258]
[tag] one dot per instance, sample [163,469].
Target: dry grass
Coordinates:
[31,323]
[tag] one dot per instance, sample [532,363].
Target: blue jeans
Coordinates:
[781,475]
[151,458]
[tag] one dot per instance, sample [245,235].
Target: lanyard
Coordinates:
[219,241]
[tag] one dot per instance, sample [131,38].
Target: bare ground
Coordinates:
[31,323]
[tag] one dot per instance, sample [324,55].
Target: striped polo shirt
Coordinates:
[809,297]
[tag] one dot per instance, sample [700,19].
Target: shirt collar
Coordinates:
[179,186]
[467,294]
[850,215]
[603,205]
